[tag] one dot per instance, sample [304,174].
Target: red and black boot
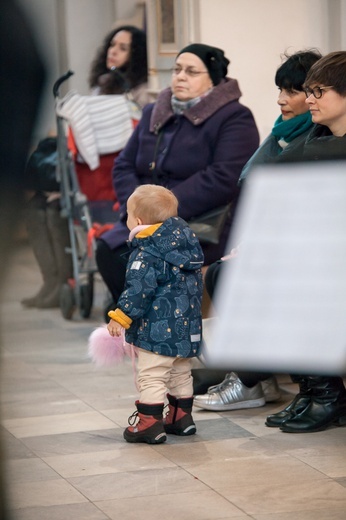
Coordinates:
[179,420]
[149,428]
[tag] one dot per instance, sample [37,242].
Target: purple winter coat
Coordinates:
[199,155]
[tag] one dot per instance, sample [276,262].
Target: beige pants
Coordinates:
[158,374]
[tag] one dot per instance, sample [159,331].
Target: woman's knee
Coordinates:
[211,277]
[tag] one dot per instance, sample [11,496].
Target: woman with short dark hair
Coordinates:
[294,122]
[248,389]
[321,401]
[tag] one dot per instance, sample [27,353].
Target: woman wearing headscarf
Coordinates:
[195,141]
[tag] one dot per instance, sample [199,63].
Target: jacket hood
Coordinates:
[225,92]
[175,243]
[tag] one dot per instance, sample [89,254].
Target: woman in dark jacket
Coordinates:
[195,141]
[321,401]
[294,123]
[229,391]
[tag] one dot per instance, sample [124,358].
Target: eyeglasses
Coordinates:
[189,71]
[317,92]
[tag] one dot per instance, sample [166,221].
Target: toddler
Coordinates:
[160,310]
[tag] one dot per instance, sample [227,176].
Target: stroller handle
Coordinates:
[61,80]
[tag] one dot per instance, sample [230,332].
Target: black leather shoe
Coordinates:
[327,407]
[315,418]
[299,403]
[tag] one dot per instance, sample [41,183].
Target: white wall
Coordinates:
[86,24]
[254,34]
[124,9]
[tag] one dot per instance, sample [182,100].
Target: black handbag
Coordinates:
[40,173]
[208,226]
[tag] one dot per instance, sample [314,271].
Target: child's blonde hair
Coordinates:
[154,203]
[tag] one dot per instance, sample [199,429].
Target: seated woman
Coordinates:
[120,65]
[195,141]
[251,390]
[321,401]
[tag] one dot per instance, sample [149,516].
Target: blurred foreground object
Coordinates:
[22,78]
[282,300]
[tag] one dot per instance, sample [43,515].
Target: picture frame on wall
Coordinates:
[171,25]
[167,27]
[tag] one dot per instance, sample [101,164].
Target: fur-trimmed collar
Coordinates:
[227,91]
[144,230]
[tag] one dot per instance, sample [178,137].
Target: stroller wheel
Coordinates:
[86,297]
[67,301]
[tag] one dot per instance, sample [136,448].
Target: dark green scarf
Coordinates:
[288,130]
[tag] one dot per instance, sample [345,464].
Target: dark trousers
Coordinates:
[111,264]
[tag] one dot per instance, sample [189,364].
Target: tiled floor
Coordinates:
[62,422]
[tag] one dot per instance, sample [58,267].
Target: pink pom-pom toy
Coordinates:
[105,350]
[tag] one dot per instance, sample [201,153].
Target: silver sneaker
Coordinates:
[223,384]
[231,394]
[269,386]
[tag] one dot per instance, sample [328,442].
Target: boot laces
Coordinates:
[165,410]
[133,418]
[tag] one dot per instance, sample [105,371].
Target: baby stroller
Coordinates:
[90,129]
